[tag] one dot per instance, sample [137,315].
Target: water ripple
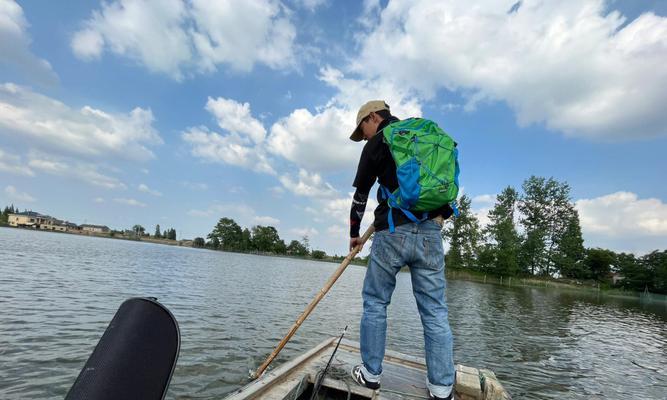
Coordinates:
[58,293]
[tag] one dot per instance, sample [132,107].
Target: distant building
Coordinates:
[54,225]
[30,219]
[72,227]
[95,228]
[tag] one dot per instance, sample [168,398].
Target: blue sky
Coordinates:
[179,113]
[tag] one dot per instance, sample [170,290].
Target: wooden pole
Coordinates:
[314,302]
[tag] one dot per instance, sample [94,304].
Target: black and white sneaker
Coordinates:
[433,397]
[358,377]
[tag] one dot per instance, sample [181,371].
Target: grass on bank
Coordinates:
[591,286]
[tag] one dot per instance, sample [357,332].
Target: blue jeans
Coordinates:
[418,246]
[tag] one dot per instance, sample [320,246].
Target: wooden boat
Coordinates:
[403,378]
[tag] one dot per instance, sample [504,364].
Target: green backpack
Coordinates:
[427,168]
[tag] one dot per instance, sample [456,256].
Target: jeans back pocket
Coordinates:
[388,248]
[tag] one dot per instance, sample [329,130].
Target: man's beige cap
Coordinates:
[364,111]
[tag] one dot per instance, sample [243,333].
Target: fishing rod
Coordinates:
[318,382]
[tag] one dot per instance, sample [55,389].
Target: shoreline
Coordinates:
[188,243]
[546,283]
[455,274]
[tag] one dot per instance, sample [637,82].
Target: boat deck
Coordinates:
[403,378]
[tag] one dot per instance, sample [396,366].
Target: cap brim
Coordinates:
[357,135]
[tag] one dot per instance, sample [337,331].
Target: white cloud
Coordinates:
[321,141]
[241,33]
[485,199]
[243,145]
[181,38]
[338,230]
[309,185]
[622,221]
[370,14]
[223,209]
[352,93]
[13,164]
[82,171]
[129,202]
[144,188]
[199,213]
[571,64]
[15,45]
[243,214]
[317,142]
[265,220]
[482,215]
[239,190]
[15,194]
[194,185]
[277,191]
[229,149]
[150,32]
[98,200]
[236,118]
[311,5]
[50,124]
[623,213]
[338,210]
[306,231]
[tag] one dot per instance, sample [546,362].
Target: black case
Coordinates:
[136,356]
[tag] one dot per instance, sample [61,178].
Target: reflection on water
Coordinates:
[58,293]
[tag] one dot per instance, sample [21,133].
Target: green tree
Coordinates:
[214,243]
[599,262]
[280,247]
[171,234]
[246,240]
[4,216]
[228,233]
[656,264]
[296,248]
[569,255]
[198,242]
[265,238]
[486,258]
[305,241]
[157,233]
[502,231]
[542,206]
[138,230]
[635,274]
[464,237]
[318,254]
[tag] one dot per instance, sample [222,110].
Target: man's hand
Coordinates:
[354,242]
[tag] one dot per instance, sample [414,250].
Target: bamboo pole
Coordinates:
[332,279]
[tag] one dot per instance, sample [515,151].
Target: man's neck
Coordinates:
[386,122]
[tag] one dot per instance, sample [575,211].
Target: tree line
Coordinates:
[140,231]
[538,233]
[4,215]
[228,235]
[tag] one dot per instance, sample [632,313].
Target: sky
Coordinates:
[179,113]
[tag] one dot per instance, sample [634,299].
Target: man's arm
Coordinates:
[359,201]
[363,182]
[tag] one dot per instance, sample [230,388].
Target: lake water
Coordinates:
[58,293]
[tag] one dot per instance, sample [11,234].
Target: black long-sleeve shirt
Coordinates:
[376,163]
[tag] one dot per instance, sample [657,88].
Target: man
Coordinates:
[417,245]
